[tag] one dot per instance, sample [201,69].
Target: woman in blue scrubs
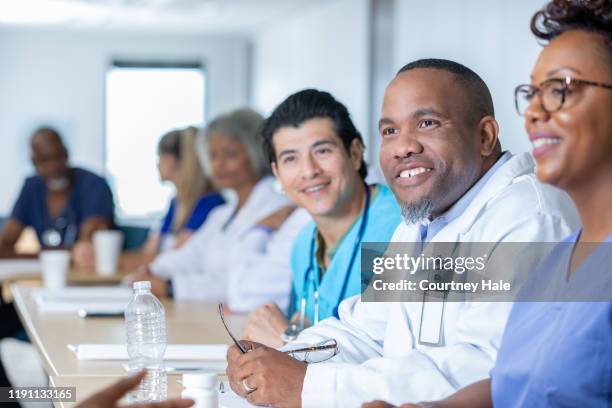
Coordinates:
[557,347]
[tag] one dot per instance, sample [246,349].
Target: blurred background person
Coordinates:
[64,205]
[209,262]
[194,200]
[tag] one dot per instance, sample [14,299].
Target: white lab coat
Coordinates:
[201,269]
[262,270]
[380,357]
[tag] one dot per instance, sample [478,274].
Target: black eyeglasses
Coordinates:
[315,353]
[553,93]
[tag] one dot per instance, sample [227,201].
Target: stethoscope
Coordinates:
[314,267]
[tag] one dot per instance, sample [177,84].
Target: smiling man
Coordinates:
[441,156]
[317,154]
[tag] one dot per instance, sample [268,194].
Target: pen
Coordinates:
[83,313]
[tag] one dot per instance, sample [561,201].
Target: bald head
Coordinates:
[478,97]
[50,157]
[46,136]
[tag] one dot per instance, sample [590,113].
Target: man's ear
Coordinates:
[274,169]
[489,132]
[356,153]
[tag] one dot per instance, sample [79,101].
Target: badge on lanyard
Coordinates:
[432,311]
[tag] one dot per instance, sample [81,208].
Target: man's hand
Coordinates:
[275,378]
[110,396]
[377,404]
[83,254]
[159,287]
[265,325]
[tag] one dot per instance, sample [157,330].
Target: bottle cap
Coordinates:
[142,285]
[200,380]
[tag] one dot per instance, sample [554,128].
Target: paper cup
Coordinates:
[54,265]
[107,249]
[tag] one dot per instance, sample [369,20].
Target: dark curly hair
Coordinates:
[309,104]
[559,16]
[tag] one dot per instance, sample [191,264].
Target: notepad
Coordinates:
[11,268]
[175,352]
[72,299]
[229,399]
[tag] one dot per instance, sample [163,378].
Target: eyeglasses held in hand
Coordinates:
[316,353]
[236,342]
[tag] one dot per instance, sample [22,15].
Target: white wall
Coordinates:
[324,47]
[57,77]
[492,37]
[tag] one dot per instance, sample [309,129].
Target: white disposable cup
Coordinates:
[54,265]
[107,248]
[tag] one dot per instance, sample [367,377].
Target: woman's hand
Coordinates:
[265,325]
[277,218]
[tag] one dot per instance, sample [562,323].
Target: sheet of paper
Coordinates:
[188,352]
[229,399]
[15,268]
[72,299]
[189,367]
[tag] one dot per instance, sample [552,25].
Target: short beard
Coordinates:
[416,212]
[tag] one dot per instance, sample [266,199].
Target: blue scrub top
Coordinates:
[198,215]
[559,354]
[383,218]
[89,197]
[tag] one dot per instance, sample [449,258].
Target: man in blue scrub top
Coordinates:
[317,154]
[65,205]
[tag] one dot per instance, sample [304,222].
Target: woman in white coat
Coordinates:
[201,268]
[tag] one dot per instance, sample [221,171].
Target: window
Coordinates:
[143,101]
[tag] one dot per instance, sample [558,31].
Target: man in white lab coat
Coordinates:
[441,157]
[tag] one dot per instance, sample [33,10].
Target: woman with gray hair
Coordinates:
[204,267]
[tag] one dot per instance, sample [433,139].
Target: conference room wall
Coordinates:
[329,47]
[57,77]
[324,47]
[490,36]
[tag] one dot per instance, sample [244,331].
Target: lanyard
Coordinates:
[313,265]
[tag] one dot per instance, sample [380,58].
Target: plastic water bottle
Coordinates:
[145,323]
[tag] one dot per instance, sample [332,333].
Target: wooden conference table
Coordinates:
[186,322]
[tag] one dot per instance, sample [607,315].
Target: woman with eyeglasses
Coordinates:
[560,353]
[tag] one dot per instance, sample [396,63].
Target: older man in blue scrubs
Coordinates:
[64,205]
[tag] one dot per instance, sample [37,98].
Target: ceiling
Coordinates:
[183,16]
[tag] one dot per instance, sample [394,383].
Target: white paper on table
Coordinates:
[68,300]
[190,367]
[189,352]
[10,268]
[229,399]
